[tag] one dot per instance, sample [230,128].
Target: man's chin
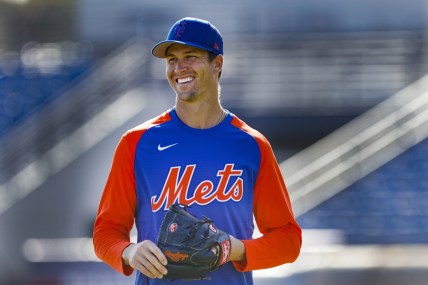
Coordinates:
[186,96]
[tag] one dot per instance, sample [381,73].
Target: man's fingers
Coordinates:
[150,260]
[156,263]
[138,265]
[155,251]
[143,263]
[159,255]
[154,267]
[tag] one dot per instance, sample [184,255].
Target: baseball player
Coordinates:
[201,155]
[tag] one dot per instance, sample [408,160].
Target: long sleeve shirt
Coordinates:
[227,173]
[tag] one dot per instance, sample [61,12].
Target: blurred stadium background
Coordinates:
[338,87]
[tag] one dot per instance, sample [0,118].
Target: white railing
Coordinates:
[358,148]
[67,128]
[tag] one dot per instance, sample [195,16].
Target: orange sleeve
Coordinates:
[116,211]
[282,236]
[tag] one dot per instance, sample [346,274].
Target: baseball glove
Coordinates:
[192,246]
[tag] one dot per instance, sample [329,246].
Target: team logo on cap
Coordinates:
[181,28]
[216,46]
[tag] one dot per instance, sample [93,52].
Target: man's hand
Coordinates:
[147,258]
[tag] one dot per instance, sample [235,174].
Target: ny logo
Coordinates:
[179,31]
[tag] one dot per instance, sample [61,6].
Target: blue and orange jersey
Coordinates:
[227,173]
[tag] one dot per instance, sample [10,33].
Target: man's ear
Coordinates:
[218,63]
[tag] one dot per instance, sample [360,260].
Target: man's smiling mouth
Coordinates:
[184,80]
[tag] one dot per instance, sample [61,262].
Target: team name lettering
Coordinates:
[176,188]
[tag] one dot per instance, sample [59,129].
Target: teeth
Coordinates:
[184,80]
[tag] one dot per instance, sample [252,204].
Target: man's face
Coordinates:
[190,72]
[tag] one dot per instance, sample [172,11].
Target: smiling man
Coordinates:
[201,155]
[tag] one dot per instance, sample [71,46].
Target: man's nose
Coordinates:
[181,65]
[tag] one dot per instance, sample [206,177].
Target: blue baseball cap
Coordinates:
[191,32]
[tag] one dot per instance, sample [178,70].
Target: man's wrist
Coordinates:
[237,249]
[126,253]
